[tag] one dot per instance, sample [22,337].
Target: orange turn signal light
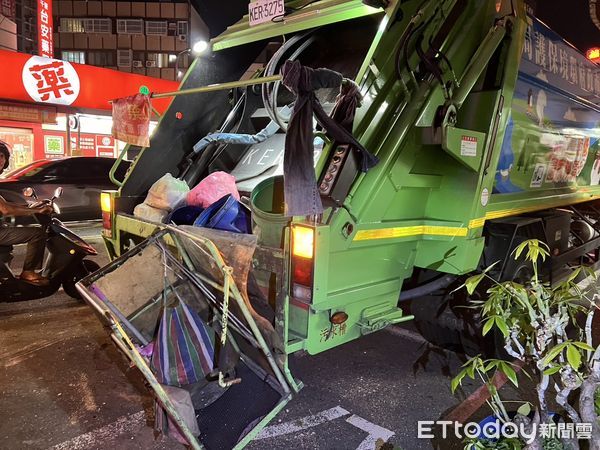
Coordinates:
[303,241]
[338,318]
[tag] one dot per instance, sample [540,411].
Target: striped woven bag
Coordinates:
[184,347]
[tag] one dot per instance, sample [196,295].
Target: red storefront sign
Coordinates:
[131,120]
[26,113]
[29,79]
[105,146]
[45,36]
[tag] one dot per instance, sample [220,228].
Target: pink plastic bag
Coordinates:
[212,188]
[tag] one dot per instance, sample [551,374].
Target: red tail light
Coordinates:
[303,239]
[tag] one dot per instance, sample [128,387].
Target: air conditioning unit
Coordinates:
[182,37]
[150,63]
[137,63]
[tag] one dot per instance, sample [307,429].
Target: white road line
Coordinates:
[123,424]
[407,334]
[375,432]
[302,423]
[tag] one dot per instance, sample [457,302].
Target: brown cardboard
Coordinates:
[124,41]
[153,42]
[109,41]
[181,11]
[138,9]
[95,41]
[123,9]
[66,41]
[80,9]
[167,43]
[167,10]
[109,9]
[152,9]
[80,40]
[138,42]
[94,8]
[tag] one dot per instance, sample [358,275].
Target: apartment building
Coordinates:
[146,38]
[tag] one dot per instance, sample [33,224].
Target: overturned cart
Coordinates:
[180,308]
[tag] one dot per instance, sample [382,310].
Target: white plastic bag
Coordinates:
[147,212]
[167,193]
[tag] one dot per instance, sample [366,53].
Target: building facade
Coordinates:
[146,38]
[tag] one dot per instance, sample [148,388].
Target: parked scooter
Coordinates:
[65,259]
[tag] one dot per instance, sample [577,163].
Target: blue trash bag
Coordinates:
[226,214]
[185,215]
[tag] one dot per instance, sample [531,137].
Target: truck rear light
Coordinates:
[303,241]
[106,205]
[302,271]
[301,292]
[105,202]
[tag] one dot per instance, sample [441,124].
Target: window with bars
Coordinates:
[97,25]
[124,58]
[157,27]
[182,28]
[69,25]
[130,26]
[76,57]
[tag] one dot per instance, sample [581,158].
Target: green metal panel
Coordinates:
[314,15]
[424,205]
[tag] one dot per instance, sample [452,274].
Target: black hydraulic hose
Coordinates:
[274,93]
[427,288]
[267,90]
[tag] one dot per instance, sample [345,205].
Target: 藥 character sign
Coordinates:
[50,80]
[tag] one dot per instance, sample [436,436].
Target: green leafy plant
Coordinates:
[541,328]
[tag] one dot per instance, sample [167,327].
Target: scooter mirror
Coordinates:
[58,192]
[28,192]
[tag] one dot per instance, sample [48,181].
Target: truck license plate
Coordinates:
[262,11]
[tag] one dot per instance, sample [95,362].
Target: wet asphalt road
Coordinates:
[64,385]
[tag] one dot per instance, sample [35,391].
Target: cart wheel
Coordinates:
[84,270]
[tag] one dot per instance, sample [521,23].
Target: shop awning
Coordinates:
[34,79]
[314,15]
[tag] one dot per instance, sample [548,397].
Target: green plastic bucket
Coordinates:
[267,204]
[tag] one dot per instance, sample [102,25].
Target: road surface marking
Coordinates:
[302,423]
[99,437]
[375,432]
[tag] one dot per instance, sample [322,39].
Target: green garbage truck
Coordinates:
[485,125]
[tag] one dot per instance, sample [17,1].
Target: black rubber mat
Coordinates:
[222,423]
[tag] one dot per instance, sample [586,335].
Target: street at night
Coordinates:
[306,224]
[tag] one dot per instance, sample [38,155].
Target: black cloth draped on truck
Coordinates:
[300,185]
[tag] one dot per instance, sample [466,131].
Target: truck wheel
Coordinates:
[442,326]
[84,270]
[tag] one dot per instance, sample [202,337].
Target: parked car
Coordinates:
[82,180]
